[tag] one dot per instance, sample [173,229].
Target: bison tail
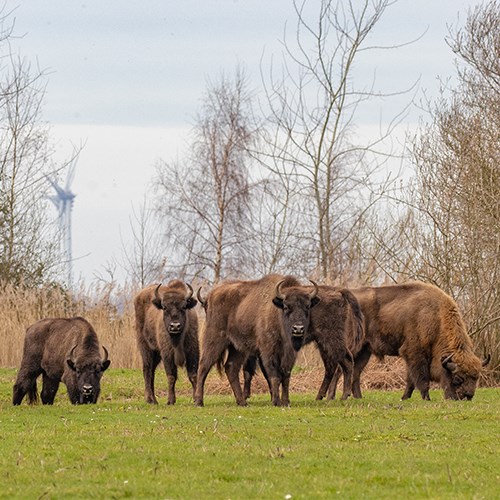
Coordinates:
[359,319]
[220,362]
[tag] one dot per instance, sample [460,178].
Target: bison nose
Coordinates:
[174,327]
[298,330]
[87,389]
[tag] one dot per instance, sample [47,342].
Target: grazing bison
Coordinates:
[167,330]
[242,321]
[336,326]
[423,325]
[61,349]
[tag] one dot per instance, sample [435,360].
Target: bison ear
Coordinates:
[105,365]
[278,303]
[315,301]
[157,303]
[190,303]
[71,364]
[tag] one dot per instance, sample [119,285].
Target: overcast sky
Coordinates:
[125,78]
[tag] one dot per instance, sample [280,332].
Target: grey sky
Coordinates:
[127,78]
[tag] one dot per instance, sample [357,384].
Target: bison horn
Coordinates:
[157,295]
[200,298]
[486,360]
[315,291]
[191,291]
[72,351]
[106,354]
[447,363]
[278,293]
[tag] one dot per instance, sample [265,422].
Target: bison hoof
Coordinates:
[199,404]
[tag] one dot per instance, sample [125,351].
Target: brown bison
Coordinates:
[336,327]
[61,349]
[167,330]
[423,325]
[242,320]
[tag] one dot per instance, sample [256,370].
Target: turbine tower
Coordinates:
[63,201]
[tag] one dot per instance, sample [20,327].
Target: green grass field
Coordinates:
[377,447]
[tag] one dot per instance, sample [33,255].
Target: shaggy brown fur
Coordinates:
[167,330]
[242,321]
[60,349]
[423,325]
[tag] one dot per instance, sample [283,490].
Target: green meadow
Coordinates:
[377,447]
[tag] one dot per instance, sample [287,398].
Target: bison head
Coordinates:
[88,375]
[174,306]
[296,305]
[460,378]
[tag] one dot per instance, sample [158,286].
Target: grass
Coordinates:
[377,447]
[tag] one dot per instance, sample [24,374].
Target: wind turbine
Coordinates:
[63,201]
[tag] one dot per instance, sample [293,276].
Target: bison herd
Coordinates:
[263,323]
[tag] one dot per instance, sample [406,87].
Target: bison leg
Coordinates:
[327,378]
[410,387]
[347,368]
[25,384]
[249,369]
[274,379]
[232,368]
[360,361]
[422,384]
[285,388]
[171,371]
[192,371]
[332,388]
[419,373]
[49,389]
[211,353]
[150,360]
[329,372]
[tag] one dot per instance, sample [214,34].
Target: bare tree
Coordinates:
[144,259]
[26,251]
[334,179]
[203,199]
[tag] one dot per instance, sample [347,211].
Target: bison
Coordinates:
[61,349]
[242,320]
[167,330]
[423,325]
[337,328]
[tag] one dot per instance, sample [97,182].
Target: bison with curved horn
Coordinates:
[423,325]
[242,321]
[167,330]
[336,326]
[61,349]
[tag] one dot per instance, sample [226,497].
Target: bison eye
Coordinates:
[457,380]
